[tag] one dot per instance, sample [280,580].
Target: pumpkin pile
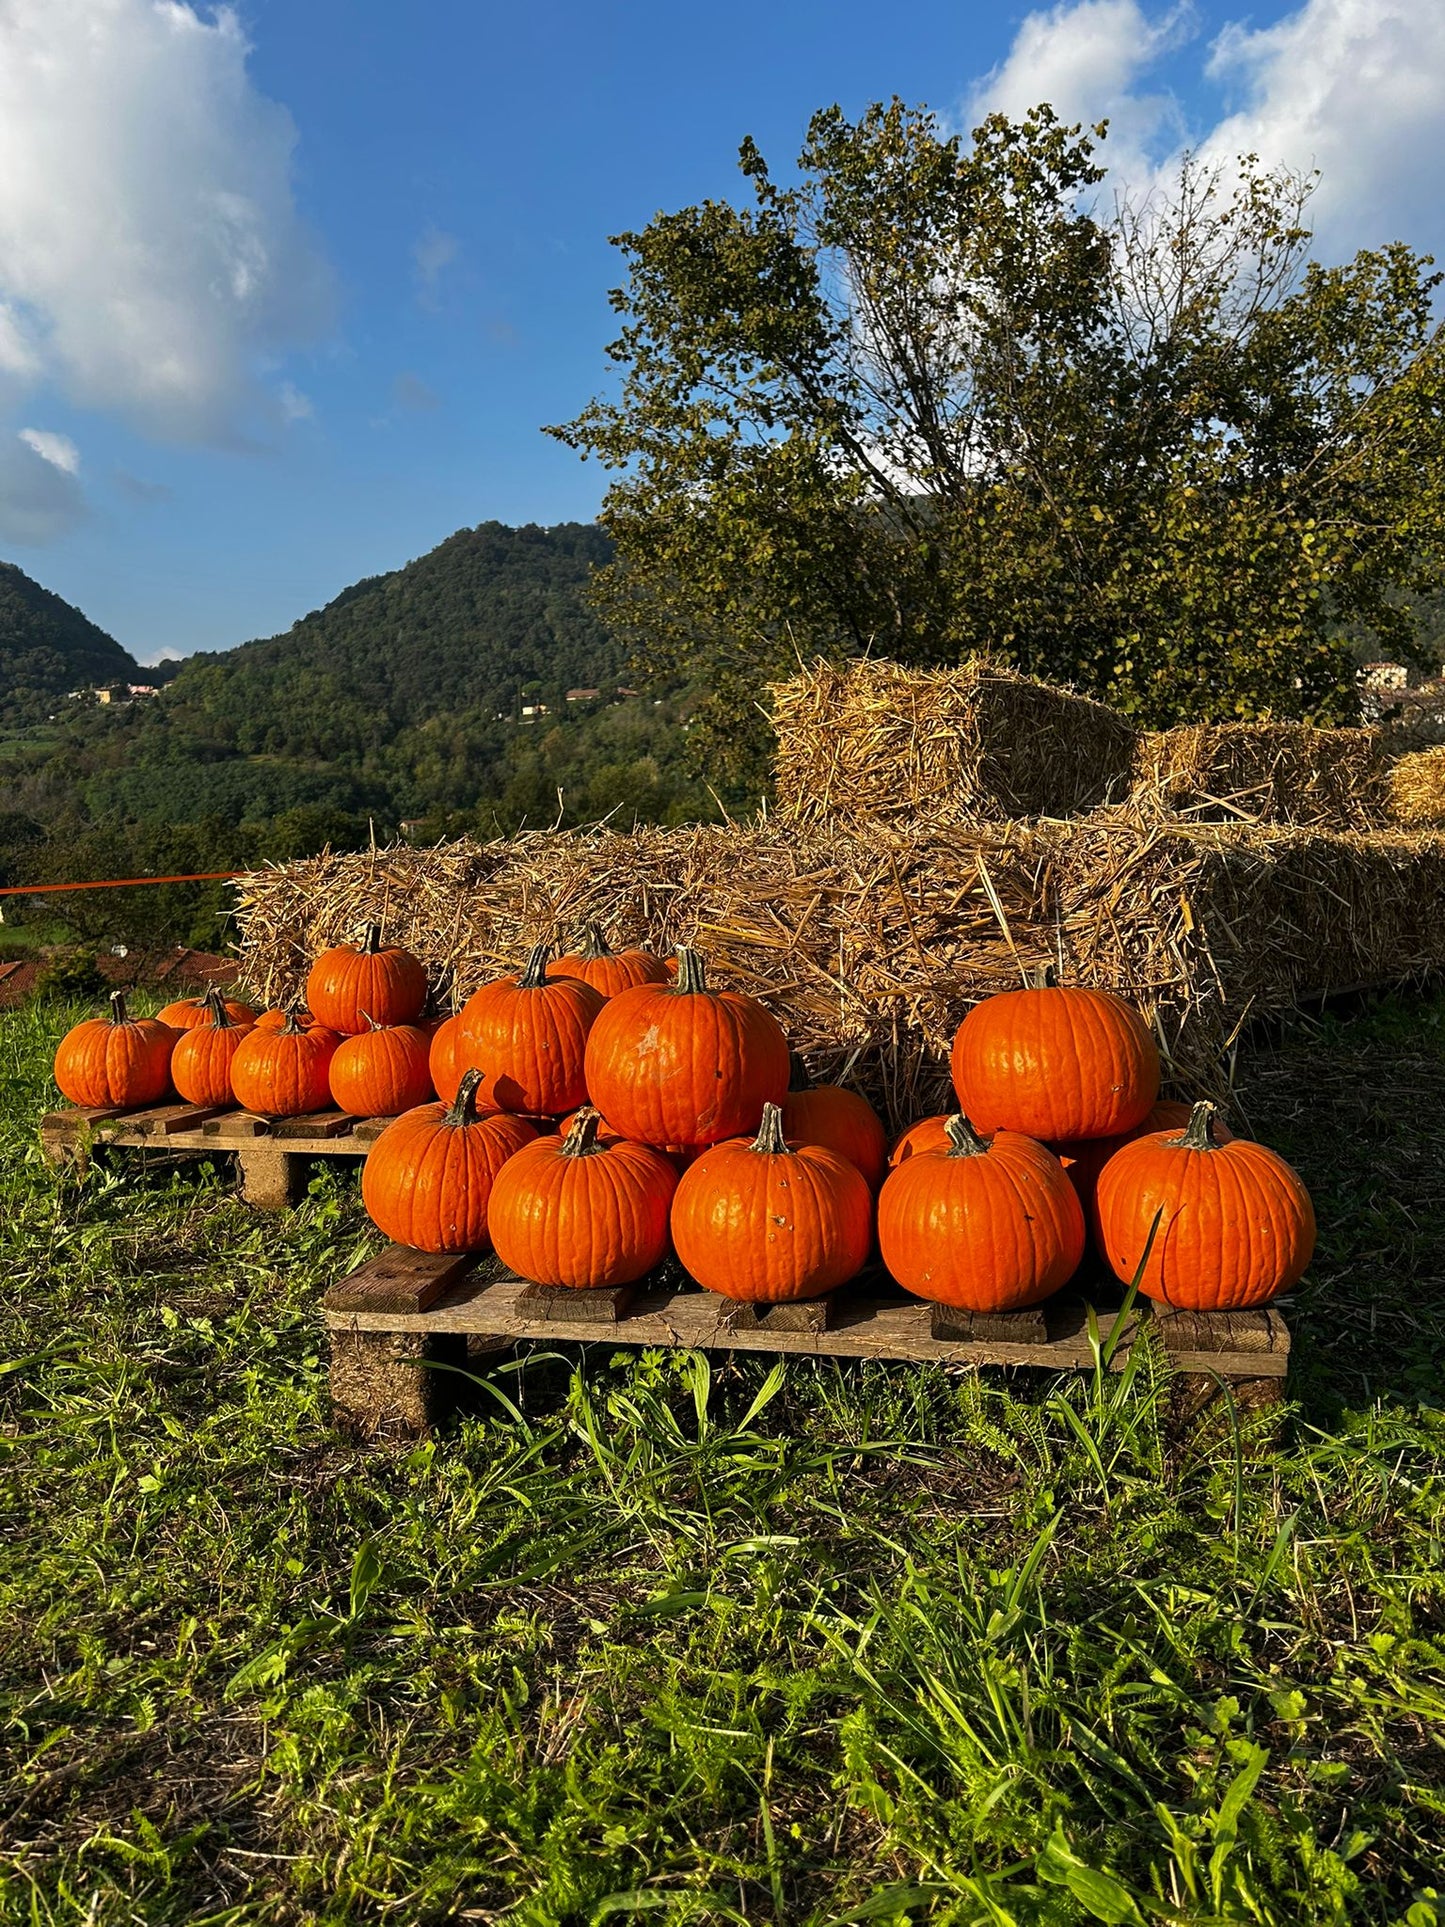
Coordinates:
[685,1125]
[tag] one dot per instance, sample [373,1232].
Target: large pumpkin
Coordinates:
[193,1011]
[581,1211]
[990,1224]
[839,1119]
[383,1072]
[1085,1158]
[682,1065]
[769,1221]
[201,1062]
[1235,1224]
[428,1180]
[447,1057]
[115,1060]
[1055,1063]
[286,1072]
[528,1035]
[608,970]
[348,985]
[928,1134]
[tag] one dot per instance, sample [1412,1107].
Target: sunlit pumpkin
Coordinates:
[117,1060]
[201,1062]
[275,1019]
[349,984]
[928,1134]
[286,1072]
[528,1034]
[382,1072]
[191,1011]
[447,1057]
[608,970]
[1085,1158]
[837,1118]
[428,1180]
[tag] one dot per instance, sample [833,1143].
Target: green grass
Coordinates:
[661,1639]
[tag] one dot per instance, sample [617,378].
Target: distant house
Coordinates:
[532,712]
[583,695]
[410,825]
[1385,675]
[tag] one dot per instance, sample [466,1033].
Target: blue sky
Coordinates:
[285,294]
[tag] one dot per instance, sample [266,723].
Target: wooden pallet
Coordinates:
[403,1314]
[271,1152]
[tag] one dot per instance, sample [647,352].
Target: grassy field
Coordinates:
[656,1639]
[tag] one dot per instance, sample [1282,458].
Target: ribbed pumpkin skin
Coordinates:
[1237,1225]
[528,1036]
[842,1121]
[347,985]
[1055,1065]
[428,1180]
[192,1012]
[1084,1159]
[928,1134]
[284,1073]
[609,971]
[988,1232]
[669,1065]
[201,1062]
[599,1217]
[115,1060]
[276,1019]
[383,1072]
[771,1226]
[447,1057]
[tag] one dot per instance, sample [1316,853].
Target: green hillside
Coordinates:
[48,647]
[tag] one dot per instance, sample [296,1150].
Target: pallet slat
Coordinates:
[398,1281]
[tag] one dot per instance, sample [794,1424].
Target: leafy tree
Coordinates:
[936,398]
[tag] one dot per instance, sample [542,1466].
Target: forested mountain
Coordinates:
[48,647]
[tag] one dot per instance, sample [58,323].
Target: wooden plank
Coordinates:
[237,1125]
[170,1120]
[1030,1326]
[604,1306]
[1216,1331]
[315,1125]
[369,1129]
[75,1121]
[798,1315]
[396,1281]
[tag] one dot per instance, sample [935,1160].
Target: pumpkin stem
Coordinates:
[799,1076]
[1043,976]
[691,971]
[117,1007]
[216,1004]
[535,975]
[581,1138]
[293,1026]
[594,944]
[963,1140]
[1199,1132]
[770,1140]
[464,1105]
[370,1021]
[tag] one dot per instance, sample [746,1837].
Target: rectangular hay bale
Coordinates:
[1282,773]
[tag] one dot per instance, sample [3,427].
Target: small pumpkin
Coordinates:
[447,1057]
[276,1019]
[428,1180]
[608,970]
[767,1221]
[837,1118]
[928,1134]
[989,1224]
[682,1065]
[582,1210]
[115,1060]
[201,1062]
[530,1034]
[1236,1224]
[1056,1063]
[346,982]
[192,1012]
[286,1072]
[383,1072]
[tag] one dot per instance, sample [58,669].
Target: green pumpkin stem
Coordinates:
[463,1109]
[117,1007]
[770,1140]
[691,971]
[215,1002]
[1043,976]
[594,944]
[371,942]
[963,1140]
[1199,1132]
[535,975]
[581,1138]
[293,1026]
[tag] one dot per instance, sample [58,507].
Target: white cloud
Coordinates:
[431,255]
[59,450]
[39,498]
[295,407]
[1353,87]
[152,262]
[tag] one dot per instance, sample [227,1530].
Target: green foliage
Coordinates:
[934,399]
[47,647]
[74,978]
[713,1641]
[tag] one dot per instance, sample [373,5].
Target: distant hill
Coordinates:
[48,647]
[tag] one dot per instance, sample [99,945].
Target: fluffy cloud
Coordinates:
[152,262]
[1353,87]
[59,450]
[40,498]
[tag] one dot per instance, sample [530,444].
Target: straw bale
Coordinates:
[1417,787]
[875,742]
[1288,773]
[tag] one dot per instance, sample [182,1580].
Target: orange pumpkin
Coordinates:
[349,985]
[201,1062]
[581,1210]
[682,1065]
[769,1221]
[928,1134]
[990,1224]
[382,1072]
[608,970]
[840,1120]
[193,1011]
[1055,1063]
[286,1072]
[529,1035]
[276,1019]
[1235,1224]
[116,1060]
[1085,1158]
[447,1057]
[428,1180]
